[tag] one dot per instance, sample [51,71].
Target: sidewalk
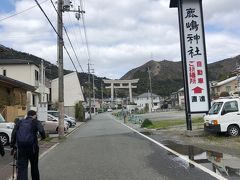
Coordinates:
[44,146]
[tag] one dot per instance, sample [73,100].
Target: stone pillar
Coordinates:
[130,92]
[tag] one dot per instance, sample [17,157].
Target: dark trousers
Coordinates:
[25,155]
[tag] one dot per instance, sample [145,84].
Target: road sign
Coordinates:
[193,54]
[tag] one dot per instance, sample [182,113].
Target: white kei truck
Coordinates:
[224,116]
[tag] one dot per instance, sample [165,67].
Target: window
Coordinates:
[33,100]
[36,75]
[231,106]
[215,108]
[228,88]
[5,72]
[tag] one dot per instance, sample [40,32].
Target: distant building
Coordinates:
[72,92]
[177,99]
[145,100]
[229,85]
[29,73]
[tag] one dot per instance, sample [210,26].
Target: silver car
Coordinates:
[71,121]
[51,124]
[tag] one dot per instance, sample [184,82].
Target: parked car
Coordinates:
[224,116]
[71,120]
[5,131]
[51,124]
[109,110]
[87,115]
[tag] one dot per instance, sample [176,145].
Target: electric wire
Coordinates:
[5,18]
[68,39]
[55,32]
[84,28]
[76,34]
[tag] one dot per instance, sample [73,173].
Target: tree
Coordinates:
[79,112]
[224,94]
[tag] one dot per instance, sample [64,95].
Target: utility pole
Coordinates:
[94,103]
[42,83]
[150,82]
[102,96]
[89,91]
[60,70]
[61,7]
[238,80]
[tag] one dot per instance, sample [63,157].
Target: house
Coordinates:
[145,100]
[229,85]
[28,72]
[177,99]
[13,98]
[72,92]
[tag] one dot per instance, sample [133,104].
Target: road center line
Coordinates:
[176,153]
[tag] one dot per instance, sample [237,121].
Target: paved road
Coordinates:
[103,149]
[5,164]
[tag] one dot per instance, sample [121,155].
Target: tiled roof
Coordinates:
[14,83]
[147,95]
[16,61]
[226,81]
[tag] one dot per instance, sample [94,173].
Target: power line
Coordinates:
[68,39]
[55,32]
[22,11]
[70,58]
[48,19]
[73,48]
[76,35]
[85,31]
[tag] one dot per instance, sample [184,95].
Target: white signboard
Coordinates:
[195,56]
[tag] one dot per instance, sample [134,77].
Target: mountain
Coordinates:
[51,69]
[167,75]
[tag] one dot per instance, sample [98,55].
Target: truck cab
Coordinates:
[224,116]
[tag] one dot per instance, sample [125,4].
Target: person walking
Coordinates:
[24,139]
[2,152]
[125,115]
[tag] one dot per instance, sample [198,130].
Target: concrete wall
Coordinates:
[228,87]
[72,90]
[22,72]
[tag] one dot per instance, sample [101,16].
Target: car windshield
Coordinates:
[215,108]
[54,114]
[1,119]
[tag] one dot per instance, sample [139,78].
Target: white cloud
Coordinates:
[121,34]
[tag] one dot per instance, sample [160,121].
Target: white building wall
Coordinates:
[141,102]
[26,74]
[72,90]
[22,72]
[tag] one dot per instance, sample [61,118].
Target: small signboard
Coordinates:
[195,55]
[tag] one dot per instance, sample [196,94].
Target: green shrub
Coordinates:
[146,123]
[79,112]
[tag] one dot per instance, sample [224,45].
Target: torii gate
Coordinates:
[121,84]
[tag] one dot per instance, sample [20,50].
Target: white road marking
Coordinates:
[176,153]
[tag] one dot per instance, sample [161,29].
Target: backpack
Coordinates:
[25,133]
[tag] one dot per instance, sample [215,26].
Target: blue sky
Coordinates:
[122,35]
[6,6]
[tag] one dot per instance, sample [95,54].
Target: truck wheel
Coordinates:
[233,130]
